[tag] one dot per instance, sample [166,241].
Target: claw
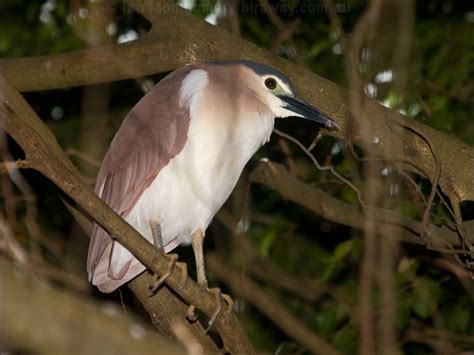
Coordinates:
[217,293]
[229,301]
[183,267]
[190,315]
[166,274]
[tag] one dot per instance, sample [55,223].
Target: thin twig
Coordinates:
[8,166]
[322,168]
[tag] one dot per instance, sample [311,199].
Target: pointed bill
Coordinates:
[308,111]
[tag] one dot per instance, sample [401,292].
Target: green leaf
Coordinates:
[330,318]
[426,297]
[404,307]
[345,340]
[342,250]
[266,242]
[459,315]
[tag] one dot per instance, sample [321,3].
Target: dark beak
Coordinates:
[307,111]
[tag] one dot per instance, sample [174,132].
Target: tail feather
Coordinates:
[108,282]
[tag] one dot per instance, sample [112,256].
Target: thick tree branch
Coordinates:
[167,312]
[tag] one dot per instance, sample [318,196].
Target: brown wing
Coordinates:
[146,141]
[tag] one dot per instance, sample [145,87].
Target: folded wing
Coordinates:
[146,141]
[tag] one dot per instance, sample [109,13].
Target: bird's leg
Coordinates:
[156,233]
[197,240]
[158,241]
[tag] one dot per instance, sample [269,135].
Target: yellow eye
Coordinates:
[271,83]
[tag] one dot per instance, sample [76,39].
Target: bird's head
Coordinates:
[279,95]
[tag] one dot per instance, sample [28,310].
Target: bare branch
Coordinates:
[167,313]
[270,306]
[276,177]
[307,151]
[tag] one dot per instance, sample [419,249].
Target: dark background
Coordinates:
[437,89]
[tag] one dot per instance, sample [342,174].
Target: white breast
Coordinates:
[189,191]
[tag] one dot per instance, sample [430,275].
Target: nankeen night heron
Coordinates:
[179,153]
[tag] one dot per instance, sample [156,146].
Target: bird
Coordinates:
[178,154]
